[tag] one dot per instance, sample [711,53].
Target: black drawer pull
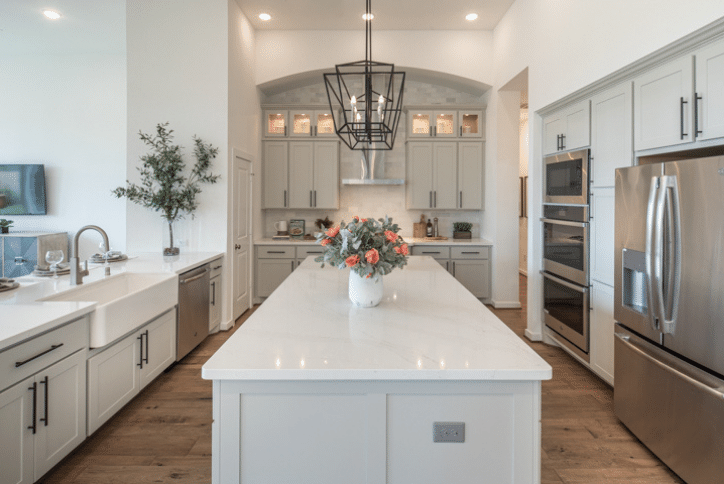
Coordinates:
[276,251]
[470,252]
[430,252]
[217,267]
[53,347]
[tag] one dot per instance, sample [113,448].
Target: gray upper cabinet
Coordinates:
[709,99]
[276,174]
[432,175]
[663,107]
[470,176]
[611,138]
[567,129]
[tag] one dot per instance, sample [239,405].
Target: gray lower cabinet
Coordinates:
[217,268]
[274,263]
[470,265]
[22,251]
[118,372]
[43,413]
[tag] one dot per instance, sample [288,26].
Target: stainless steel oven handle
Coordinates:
[575,287]
[625,339]
[564,222]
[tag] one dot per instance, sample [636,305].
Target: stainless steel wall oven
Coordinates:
[566,274]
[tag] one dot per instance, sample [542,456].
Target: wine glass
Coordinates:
[54,257]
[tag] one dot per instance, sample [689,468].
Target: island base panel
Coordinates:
[375,432]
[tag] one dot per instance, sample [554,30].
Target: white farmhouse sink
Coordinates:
[124,302]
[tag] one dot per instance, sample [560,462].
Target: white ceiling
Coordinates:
[85,26]
[389,14]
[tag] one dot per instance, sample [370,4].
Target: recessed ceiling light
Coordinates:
[51,14]
[471,16]
[368,16]
[265,16]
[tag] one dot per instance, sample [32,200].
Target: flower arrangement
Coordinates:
[368,247]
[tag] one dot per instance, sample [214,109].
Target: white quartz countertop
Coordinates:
[427,327]
[410,240]
[23,316]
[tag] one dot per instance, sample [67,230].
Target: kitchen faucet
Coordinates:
[76,274]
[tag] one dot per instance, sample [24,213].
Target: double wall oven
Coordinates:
[565,272]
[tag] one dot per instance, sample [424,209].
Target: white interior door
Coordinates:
[241,287]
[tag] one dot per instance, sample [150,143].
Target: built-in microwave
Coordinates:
[566,178]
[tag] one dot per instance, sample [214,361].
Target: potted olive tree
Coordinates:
[164,186]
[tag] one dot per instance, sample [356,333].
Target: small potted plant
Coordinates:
[164,187]
[461,230]
[5,225]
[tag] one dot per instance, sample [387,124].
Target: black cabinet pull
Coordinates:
[145,360]
[213,293]
[310,198]
[140,353]
[430,198]
[558,142]
[276,252]
[52,348]
[563,141]
[461,199]
[34,389]
[430,252]
[315,198]
[435,192]
[45,418]
[697,98]
[470,252]
[292,265]
[681,110]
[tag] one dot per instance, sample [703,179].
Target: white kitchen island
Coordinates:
[313,390]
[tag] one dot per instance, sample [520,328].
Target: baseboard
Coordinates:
[506,304]
[227,325]
[533,336]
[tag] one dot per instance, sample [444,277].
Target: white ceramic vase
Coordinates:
[365,292]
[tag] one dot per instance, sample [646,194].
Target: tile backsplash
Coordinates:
[377,200]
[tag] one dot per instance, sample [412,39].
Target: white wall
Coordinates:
[244,124]
[467,54]
[567,45]
[178,61]
[67,111]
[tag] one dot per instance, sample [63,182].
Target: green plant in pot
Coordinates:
[462,230]
[164,186]
[5,225]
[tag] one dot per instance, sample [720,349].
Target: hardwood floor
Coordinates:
[164,435]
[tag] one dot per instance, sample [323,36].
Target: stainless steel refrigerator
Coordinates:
[669,308]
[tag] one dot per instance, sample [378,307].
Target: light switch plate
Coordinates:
[448,432]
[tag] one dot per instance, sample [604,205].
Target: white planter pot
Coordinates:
[365,292]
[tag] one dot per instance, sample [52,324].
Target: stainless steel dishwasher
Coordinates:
[193,310]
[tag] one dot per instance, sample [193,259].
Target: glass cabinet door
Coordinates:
[301,123]
[445,124]
[471,124]
[275,123]
[419,124]
[324,124]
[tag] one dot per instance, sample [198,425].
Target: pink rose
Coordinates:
[326,241]
[404,249]
[372,256]
[398,250]
[352,260]
[390,235]
[333,231]
[363,220]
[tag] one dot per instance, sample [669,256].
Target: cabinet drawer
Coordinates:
[304,252]
[275,252]
[474,252]
[38,353]
[432,251]
[217,266]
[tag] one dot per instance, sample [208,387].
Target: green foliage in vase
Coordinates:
[462,226]
[323,223]
[164,186]
[5,223]
[367,246]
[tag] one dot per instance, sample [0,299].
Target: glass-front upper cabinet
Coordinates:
[275,123]
[315,123]
[436,124]
[472,124]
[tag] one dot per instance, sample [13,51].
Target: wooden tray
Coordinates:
[435,238]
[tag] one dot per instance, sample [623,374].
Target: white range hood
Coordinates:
[372,170]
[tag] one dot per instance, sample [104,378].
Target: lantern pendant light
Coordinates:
[365,98]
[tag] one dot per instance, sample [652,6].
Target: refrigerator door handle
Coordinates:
[652,283]
[668,204]
[626,340]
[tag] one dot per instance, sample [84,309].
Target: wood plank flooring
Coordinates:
[164,435]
